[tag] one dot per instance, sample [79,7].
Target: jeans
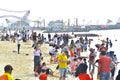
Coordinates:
[91,63]
[18,48]
[36,61]
[63,72]
[105,76]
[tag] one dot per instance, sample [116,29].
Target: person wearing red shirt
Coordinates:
[81,72]
[104,66]
[43,75]
[72,56]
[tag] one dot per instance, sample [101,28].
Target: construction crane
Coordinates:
[20,20]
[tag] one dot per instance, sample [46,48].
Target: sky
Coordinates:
[87,10]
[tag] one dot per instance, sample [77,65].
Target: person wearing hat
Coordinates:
[62,62]
[104,67]
[7,74]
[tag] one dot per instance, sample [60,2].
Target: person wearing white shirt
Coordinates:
[52,53]
[18,43]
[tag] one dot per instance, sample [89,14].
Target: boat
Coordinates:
[86,34]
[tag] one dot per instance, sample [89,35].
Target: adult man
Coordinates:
[104,67]
[7,75]
[62,60]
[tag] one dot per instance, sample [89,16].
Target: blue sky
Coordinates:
[90,10]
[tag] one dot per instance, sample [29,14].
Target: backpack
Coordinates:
[3,77]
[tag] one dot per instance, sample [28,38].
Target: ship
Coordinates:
[83,28]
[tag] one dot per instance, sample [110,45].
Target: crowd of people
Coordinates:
[68,57]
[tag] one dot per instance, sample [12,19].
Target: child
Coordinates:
[79,61]
[81,72]
[43,75]
[73,65]
[71,54]
[47,69]
[7,74]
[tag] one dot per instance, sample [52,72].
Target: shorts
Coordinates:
[63,72]
[113,72]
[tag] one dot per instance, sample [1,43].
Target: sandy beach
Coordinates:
[23,63]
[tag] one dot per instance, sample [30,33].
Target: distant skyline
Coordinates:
[88,10]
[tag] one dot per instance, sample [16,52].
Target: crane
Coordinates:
[20,20]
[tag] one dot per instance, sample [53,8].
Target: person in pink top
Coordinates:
[79,61]
[47,69]
[73,65]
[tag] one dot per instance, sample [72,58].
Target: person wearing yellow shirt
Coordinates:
[7,75]
[62,61]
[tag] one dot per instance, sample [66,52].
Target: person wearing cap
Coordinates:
[62,62]
[7,74]
[104,67]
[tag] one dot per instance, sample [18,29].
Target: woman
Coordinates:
[37,53]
